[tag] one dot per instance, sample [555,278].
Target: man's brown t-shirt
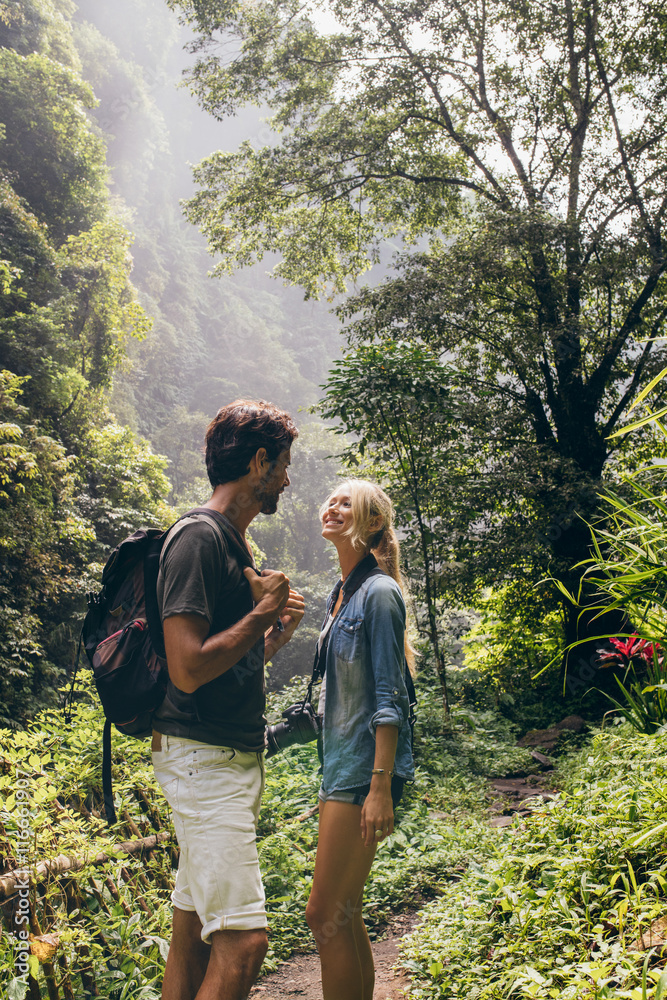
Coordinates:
[201,573]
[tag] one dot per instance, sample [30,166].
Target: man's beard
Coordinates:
[268,497]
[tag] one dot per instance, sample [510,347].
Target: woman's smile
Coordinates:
[338,515]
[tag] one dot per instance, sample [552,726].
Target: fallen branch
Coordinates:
[306,815]
[12,881]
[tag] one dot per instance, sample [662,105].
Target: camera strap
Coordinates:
[362,571]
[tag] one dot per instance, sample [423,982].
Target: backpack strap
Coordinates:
[109,808]
[229,533]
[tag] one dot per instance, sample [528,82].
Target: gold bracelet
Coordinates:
[381,770]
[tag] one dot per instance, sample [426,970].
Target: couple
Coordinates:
[222,622]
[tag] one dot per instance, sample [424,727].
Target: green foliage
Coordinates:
[54,160]
[461,749]
[38,530]
[532,193]
[111,921]
[121,942]
[644,703]
[553,907]
[517,636]
[629,552]
[628,573]
[126,483]
[40,26]
[67,310]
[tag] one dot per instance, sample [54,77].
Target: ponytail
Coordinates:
[386,549]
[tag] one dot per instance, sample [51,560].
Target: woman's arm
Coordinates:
[384,624]
[378,810]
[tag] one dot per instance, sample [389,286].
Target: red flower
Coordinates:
[631,647]
[650,650]
[627,649]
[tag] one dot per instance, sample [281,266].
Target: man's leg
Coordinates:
[225,970]
[188,958]
[236,958]
[215,807]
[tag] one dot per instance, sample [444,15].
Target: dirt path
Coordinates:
[300,975]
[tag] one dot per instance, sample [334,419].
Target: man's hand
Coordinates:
[291,617]
[270,590]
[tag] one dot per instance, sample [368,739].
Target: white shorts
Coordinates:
[215,794]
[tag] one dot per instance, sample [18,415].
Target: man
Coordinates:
[222,622]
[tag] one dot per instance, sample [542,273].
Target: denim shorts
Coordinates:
[357,796]
[214,794]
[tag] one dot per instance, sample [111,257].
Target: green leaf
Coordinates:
[644,393]
[17,989]
[638,423]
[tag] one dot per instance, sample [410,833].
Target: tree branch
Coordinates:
[465,147]
[598,380]
[12,881]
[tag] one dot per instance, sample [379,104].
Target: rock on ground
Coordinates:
[548,738]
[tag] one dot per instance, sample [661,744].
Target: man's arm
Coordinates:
[193,659]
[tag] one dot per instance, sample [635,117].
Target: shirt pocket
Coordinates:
[349,639]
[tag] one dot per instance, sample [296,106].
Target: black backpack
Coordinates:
[124,641]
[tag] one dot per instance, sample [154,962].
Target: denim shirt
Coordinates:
[365,680]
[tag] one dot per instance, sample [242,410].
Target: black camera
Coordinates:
[302,725]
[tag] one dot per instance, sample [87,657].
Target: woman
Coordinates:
[366,731]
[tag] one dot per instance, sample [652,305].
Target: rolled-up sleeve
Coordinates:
[384,621]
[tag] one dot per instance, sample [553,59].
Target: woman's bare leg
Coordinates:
[364,950]
[333,913]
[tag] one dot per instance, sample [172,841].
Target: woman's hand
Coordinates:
[377,813]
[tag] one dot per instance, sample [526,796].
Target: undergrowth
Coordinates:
[557,905]
[121,940]
[549,908]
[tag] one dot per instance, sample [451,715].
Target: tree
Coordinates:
[72,482]
[49,152]
[397,402]
[39,579]
[519,150]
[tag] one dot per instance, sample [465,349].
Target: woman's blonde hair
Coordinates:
[373,529]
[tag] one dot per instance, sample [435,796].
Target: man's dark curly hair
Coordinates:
[237,432]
